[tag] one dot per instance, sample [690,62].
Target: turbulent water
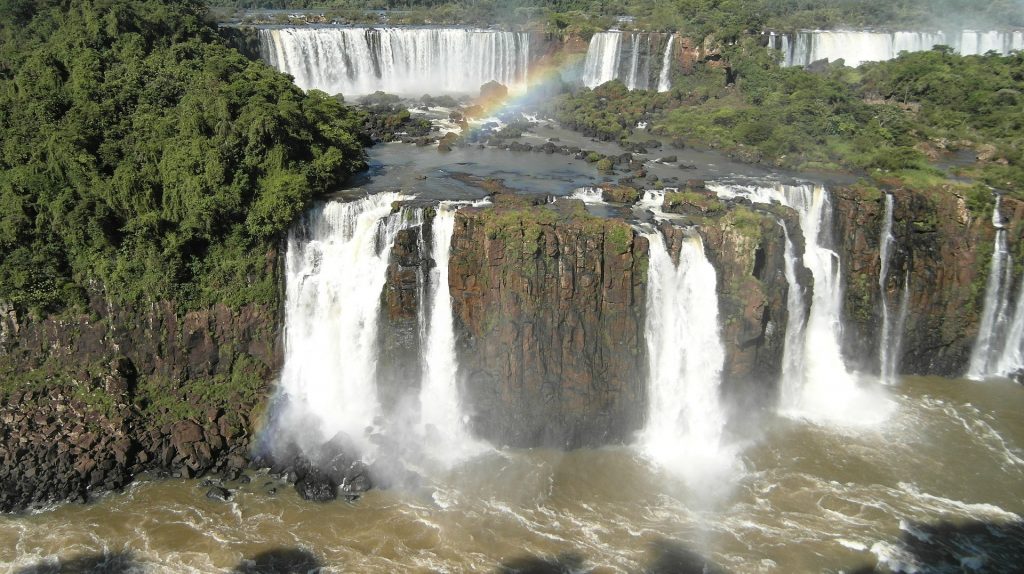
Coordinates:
[685,419]
[939,483]
[858,46]
[409,61]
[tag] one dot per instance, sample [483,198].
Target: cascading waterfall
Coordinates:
[858,46]
[997,350]
[793,349]
[443,423]
[886,359]
[602,62]
[664,81]
[335,270]
[826,391]
[685,419]
[397,60]
[618,56]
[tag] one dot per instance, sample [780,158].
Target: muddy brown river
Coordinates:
[937,487]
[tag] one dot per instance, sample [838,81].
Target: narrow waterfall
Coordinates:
[998,344]
[664,80]
[335,270]
[858,46]
[443,424]
[411,61]
[793,349]
[826,391]
[1011,359]
[685,419]
[886,360]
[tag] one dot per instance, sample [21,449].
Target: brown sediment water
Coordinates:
[939,483]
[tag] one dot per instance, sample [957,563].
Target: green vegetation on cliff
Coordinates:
[143,159]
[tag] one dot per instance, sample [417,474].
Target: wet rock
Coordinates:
[219,493]
[525,289]
[316,486]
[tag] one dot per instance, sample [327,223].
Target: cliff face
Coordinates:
[746,244]
[399,365]
[92,400]
[549,305]
[941,253]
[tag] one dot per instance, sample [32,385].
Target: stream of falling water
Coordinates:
[825,391]
[886,362]
[335,268]
[443,423]
[664,79]
[999,349]
[685,417]
[793,351]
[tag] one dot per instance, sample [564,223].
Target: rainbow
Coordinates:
[540,74]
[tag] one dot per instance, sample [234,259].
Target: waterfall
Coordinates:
[664,81]
[826,391]
[858,46]
[443,424]
[1011,359]
[356,61]
[685,418]
[886,359]
[618,56]
[588,195]
[335,270]
[997,347]
[602,62]
[793,349]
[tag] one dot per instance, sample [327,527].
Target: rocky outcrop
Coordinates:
[943,245]
[91,400]
[746,245]
[409,265]
[549,305]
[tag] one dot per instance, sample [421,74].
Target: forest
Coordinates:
[141,159]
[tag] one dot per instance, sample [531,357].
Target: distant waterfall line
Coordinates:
[407,61]
[856,47]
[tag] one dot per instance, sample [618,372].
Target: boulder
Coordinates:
[316,486]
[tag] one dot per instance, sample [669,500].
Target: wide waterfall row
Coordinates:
[411,61]
[336,269]
[627,56]
[857,46]
[999,347]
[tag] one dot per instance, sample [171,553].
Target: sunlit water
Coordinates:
[812,499]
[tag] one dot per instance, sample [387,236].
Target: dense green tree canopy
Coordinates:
[141,158]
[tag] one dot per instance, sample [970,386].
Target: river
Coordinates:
[938,484]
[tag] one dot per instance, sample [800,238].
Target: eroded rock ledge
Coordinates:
[549,305]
